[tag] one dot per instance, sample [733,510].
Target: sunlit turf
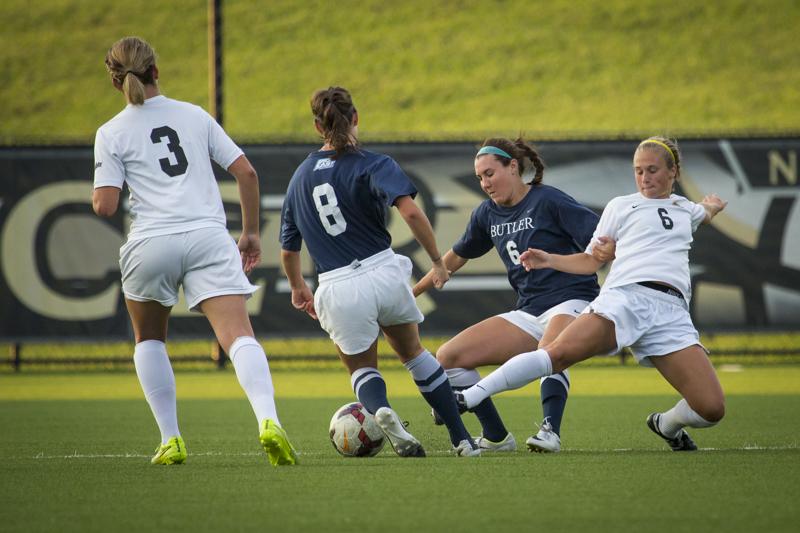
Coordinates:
[74,453]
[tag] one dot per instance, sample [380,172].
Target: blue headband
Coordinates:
[493,150]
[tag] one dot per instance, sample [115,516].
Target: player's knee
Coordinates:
[714,411]
[448,357]
[557,356]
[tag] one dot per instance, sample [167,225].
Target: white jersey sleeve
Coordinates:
[108,168]
[221,147]
[698,215]
[607,226]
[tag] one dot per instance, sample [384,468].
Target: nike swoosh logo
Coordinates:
[634,206]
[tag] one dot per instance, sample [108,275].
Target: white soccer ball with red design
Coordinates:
[354,432]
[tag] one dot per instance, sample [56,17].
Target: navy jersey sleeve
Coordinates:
[390,182]
[291,239]
[476,240]
[577,220]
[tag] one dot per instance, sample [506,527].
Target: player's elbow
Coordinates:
[104,208]
[287,256]
[243,170]
[249,174]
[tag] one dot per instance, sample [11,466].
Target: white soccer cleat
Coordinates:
[545,441]
[403,442]
[465,449]
[508,444]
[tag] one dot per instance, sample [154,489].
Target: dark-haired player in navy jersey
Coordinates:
[338,202]
[520,211]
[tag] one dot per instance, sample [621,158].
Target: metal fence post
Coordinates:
[219,355]
[16,355]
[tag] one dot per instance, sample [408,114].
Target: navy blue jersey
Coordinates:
[548,219]
[340,206]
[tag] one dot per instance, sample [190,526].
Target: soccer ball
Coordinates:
[354,432]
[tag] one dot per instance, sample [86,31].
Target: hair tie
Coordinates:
[493,150]
[663,145]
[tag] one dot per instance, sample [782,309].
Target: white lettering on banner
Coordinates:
[21,272]
[509,228]
[778,164]
[19,257]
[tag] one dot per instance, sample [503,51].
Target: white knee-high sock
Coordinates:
[680,416]
[515,373]
[158,384]
[252,370]
[461,378]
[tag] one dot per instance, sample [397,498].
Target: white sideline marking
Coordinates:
[76,455]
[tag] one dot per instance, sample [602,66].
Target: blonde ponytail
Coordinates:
[131,61]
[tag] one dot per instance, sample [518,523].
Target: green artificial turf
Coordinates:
[83,464]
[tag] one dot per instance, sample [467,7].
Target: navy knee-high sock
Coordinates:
[432,382]
[555,389]
[491,424]
[370,388]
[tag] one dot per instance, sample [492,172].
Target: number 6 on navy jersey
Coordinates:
[329,210]
[513,253]
[174,146]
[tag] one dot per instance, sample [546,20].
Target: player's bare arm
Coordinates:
[421,228]
[580,263]
[713,204]
[105,201]
[250,240]
[452,262]
[302,297]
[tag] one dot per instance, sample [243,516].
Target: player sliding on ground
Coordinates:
[643,303]
[337,201]
[161,149]
[521,212]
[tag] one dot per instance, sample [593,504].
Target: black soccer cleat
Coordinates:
[680,443]
[460,402]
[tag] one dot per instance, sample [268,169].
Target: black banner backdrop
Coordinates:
[59,272]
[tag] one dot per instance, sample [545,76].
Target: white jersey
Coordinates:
[653,238]
[161,149]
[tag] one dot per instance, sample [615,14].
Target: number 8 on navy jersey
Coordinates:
[329,209]
[353,192]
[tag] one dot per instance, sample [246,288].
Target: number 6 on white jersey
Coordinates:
[330,209]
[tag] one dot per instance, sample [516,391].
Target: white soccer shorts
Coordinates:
[650,322]
[353,302]
[206,262]
[535,325]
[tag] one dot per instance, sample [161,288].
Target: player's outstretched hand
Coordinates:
[713,204]
[440,274]
[716,201]
[604,249]
[250,249]
[303,300]
[532,259]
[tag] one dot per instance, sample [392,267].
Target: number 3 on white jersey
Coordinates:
[329,210]
[511,248]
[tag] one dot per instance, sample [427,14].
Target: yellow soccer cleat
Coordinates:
[171,453]
[276,443]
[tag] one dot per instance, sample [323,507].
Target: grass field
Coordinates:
[451,69]
[74,455]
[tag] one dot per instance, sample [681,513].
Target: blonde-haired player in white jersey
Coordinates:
[643,303]
[162,149]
